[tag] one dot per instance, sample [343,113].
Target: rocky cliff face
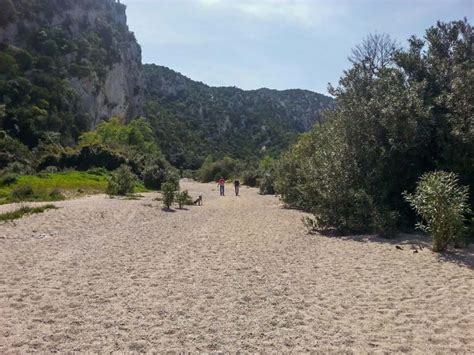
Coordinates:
[101,56]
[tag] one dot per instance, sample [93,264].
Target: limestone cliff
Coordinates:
[100,56]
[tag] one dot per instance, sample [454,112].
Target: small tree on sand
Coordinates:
[168,191]
[183,198]
[442,205]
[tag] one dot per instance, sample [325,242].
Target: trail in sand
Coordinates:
[238,273]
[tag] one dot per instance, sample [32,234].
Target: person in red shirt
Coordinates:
[221,184]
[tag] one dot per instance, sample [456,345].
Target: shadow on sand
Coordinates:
[462,257]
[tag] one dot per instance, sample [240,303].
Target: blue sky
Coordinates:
[279,44]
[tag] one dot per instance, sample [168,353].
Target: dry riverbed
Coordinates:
[238,273]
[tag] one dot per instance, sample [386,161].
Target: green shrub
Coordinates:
[121,182]
[56,195]
[442,205]
[86,158]
[183,198]
[267,184]
[153,176]
[13,152]
[168,191]
[19,168]
[250,177]
[172,177]
[8,179]
[212,171]
[267,171]
[385,222]
[97,156]
[22,193]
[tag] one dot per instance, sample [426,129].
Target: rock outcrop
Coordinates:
[113,86]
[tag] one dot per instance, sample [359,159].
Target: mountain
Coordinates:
[64,66]
[193,120]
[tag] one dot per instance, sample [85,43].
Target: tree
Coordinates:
[400,113]
[375,53]
[168,191]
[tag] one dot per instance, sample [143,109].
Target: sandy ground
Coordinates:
[239,273]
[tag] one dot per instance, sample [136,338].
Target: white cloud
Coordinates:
[305,12]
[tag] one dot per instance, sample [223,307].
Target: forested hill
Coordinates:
[193,120]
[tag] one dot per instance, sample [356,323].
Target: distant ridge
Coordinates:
[193,119]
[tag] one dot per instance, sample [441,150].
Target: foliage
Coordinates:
[396,118]
[172,177]
[183,198]
[443,207]
[154,175]
[250,177]
[267,173]
[22,211]
[121,182]
[12,151]
[22,193]
[213,170]
[193,120]
[168,191]
[135,137]
[8,179]
[84,158]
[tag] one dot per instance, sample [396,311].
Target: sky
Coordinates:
[278,44]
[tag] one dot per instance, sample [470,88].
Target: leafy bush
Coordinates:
[212,171]
[153,176]
[56,195]
[267,183]
[8,179]
[250,177]
[442,205]
[172,177]
[267,171]
[385,223]
[156,171]
[85,158]
[168,191]
[22,193]
[137,136]
[12,151]
[121,182]
[183,198]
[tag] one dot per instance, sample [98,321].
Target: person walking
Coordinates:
[236,187]
[221,184]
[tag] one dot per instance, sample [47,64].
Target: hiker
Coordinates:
[236,187]
[221,184]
